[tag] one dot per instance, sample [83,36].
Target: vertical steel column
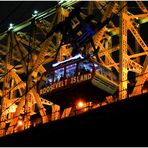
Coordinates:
[123,53]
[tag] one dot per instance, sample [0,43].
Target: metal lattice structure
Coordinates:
[27,47]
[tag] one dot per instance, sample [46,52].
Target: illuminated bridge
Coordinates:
[71,60]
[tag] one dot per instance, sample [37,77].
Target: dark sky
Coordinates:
[18,11]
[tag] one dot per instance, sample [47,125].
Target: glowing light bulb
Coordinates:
[10,26]
[20,122]
[35,13]
[80,104]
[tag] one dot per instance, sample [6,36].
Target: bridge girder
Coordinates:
[25,54]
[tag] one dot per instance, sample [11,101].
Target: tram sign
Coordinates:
[65,82]
[66,75]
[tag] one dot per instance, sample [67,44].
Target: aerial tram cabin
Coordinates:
[77,78]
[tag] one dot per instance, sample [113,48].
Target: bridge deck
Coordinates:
[119,124]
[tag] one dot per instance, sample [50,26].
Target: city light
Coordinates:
[12,108]
[20,123]
[80,104]
[10,26]
[35,13]
[61,1]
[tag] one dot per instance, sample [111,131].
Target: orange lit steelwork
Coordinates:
[120,46]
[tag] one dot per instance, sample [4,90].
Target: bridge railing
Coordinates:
[73,111]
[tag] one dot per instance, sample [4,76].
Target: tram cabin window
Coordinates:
[49,78]
[84,67]
[70,70]
[98,68]
[58,74]
[105,72]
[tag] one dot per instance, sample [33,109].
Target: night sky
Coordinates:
[17,11]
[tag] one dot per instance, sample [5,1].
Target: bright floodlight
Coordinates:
[35,13]
[20,122]
[10,26]
[12,108]
[61,1]
[80,104]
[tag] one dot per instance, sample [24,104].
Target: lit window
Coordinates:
[59,74]
[70,70]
